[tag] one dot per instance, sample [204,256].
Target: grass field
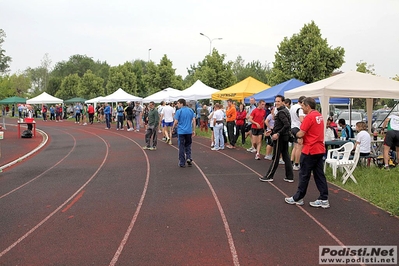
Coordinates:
[378,186]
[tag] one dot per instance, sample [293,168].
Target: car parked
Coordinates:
[379,121]
[355,117]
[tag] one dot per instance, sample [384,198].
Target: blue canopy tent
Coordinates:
[268,94]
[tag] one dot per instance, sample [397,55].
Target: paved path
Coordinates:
[92,196]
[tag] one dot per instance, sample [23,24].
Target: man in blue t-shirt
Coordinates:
[185,123]
[346,132]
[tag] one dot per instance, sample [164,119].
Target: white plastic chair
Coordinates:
[349,166]
[335,155]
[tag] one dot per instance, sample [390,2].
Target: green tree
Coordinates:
[396,77]
[363,67]
[305,56]
[254,69]
[139,68]
[212,71]
[122,76]
[54,85]
[149,79]
[14,85]
[90,86]
[69,87]
[4,59]
[166,75]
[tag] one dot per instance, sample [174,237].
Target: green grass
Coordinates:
[378,186]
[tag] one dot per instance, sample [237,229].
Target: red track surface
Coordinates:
[93,196]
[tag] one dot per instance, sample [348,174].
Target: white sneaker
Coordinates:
[296,167]
[320,203]
[281,162]
[212,144]
[292,201]
[269,157]
[252,149]
[214,149]
[257,156]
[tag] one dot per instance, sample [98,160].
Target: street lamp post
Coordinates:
[210,41]
[149,57]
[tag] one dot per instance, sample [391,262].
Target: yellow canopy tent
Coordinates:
[240,90]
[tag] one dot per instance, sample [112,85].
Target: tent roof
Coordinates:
[163,95]
[120,96]
[94,100]
[13,99]
[197,91]
[269,94]
[240,90]
[44,98]
[75,100]
[349,84]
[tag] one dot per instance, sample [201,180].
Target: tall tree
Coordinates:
[305,56]
[122,76]
[90,86]
[69,87]
[254,69]
[166,75]
[213,71]
[363,67]
[14,85]
[4,59]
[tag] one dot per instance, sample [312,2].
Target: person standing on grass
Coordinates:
[240,123]
[391,140]
[152,128]
[231,115]
[311,135]
[280,135]
[297,117]
[185,123]
[248,129]
[204,118]
[218,125]
[257,120]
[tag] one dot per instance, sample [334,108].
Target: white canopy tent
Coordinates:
[350,84]
[197,91]
[95,100]
[119,96]
[44,98]
[163,95]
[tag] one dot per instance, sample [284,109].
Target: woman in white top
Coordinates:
[363,139]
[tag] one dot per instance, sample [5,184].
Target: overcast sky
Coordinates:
[123,30]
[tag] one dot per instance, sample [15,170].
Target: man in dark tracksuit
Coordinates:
[280,136]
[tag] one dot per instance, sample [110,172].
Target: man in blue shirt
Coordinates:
[107,114]
[185,122]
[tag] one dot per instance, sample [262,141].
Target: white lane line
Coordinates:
[30,181]
[328,232]
[136,213]
[62,205]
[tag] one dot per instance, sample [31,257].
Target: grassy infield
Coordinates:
[378,186]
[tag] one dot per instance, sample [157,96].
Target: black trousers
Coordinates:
[312,163]
[280,147]
[230,132]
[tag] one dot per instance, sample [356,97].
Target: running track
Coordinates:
[92,196]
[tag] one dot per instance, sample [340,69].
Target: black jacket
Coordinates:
[282,121]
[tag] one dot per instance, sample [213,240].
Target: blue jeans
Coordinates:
[311,163]
[185,141]
[120,122]
[219,138]
[108,120]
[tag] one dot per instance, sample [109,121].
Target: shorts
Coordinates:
[392,138]
[129,117]
[257,131]
[294,131]
[269,140]
[248,127]
[167,124]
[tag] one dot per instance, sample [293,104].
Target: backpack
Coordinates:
[26,134]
